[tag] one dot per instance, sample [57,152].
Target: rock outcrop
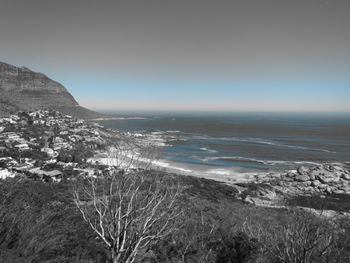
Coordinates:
[23,89]
[274,189]
[326,179]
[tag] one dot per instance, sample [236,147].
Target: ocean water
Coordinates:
[247,140]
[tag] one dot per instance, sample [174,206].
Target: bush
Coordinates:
[39,223]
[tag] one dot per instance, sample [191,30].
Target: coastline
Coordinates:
[272,185]
[269,188]
[129,159]
[143,152]
[230,175]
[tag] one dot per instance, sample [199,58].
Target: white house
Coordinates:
[22,146]
[5,173]
[48,151]
[86,172]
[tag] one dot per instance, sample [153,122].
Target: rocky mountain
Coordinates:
[23,89]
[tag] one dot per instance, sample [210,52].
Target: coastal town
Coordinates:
[49,146]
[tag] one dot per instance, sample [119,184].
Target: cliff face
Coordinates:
[23,89]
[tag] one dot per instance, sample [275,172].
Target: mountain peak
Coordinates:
[24,89]
[22,79]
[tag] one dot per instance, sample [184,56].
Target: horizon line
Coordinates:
[221,111]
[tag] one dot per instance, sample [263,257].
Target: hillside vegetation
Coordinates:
[39,222]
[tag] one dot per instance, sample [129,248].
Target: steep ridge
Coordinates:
[23,89]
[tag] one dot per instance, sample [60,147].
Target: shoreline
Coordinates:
[228,175]
[270,188]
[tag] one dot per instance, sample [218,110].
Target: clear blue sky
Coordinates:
[325,92]
[186,55]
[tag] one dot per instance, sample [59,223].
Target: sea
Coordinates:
[254,140]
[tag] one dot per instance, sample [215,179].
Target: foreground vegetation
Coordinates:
[41,222]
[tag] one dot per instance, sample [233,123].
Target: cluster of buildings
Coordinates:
[43,145]
[13,139]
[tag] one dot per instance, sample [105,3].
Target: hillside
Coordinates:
[42,224]
[23,89]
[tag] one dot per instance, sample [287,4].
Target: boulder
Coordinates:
[307,183]
[328,190]
[327,180]
[343,182]
[345,189]
[328,174]
[319,167]
[290,174]
[301,178]
[337,168]
[315,172]
[329,167]
[312,176]
[315,183]
[309,189]
[302,170]
[249,200]
[345,176]
[322,186]
[274,175]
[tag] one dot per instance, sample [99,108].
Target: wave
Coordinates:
[232,158]
[259,141]
[238,139]
[253,160]
[208,150]
[290,163]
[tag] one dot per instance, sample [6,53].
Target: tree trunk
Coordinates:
[114,256]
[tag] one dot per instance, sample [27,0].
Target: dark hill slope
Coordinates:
[23,89]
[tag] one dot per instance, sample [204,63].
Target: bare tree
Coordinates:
[129,211]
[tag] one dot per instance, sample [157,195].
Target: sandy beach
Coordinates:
[127,159]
